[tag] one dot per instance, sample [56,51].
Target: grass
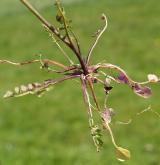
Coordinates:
[45,131]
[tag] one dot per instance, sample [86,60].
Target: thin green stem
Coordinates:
[64,21]
[66,27]
[106,125]
[77,42]
[97,39]
[58,45]
[45,61]
[75,49]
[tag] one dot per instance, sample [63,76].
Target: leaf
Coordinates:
[144,92]
[122,78]
[152,78]
[97,137]
[122,154]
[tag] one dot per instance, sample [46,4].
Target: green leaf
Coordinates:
[122,154]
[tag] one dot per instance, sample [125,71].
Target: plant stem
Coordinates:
[67,28]
[64,22]
[54,30]
[77,42]
[93,94]
[45,61]
[97,39]
[87,101]
[106,125]
[53,82]
[41,18]
[58,45]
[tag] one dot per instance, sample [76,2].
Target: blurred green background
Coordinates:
[54,129]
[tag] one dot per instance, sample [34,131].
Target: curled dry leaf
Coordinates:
[138,89]
[144,92]
[122,78]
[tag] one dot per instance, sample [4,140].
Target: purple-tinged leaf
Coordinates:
[122,78]
[144,92]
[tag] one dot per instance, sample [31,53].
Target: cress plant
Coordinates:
[86,72]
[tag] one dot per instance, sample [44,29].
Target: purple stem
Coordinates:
[53,82]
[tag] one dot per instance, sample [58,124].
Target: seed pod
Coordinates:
[152,78]
[30,87]
[8,94]
[23,88]
[17,90]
